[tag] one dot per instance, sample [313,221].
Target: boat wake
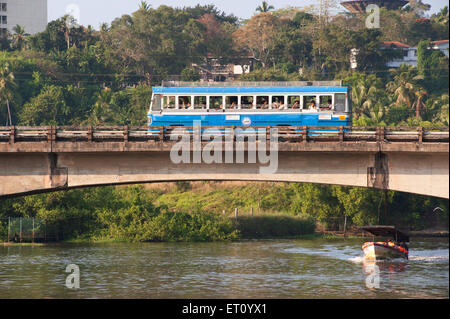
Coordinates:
[357,260]
[428,258]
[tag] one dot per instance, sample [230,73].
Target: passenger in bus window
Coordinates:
[330,104]
[233,106]
[265,105]
[312,106]
[296,105]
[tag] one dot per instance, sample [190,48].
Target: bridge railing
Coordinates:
[285,133]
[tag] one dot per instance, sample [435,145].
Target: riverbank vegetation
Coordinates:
[206,211]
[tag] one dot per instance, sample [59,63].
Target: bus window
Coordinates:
[262,102]
[293,102]
[231,102]
[326,102]
[185,102]
[200,103]
[309,103]
[169,102]
[156,103]
[339,102]
[215,102]
[247,102]
[278,102]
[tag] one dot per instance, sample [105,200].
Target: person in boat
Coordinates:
[404,245]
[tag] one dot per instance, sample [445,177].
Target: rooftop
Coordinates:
[251,84]
[396,43]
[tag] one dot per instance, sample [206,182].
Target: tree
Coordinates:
[406,89]
[440,108]
[432,66]
[190,75]
[7,84]
[403,85]
[442,17]
[259,37]
[48,108]
[368,96]
[19,38]
[144,6]
[264,7]
[419,104]
[216,38]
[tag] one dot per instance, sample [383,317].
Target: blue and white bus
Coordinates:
[250,104]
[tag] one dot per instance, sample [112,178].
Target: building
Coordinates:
[441,45]
[215,71]
[359,6]
[29,14]
[409,53]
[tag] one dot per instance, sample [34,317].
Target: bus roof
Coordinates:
[249,89]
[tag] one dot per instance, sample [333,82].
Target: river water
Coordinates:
[290,269]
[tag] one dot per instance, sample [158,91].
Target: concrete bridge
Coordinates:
[42,159]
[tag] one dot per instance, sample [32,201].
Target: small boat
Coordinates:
[393,248]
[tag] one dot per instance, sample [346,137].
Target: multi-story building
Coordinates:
[29,14]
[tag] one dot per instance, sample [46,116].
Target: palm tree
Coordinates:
[442,17]
[264,7]
[19,38]
[419,104]
[364,96]
[144,6]
[403,86]
[7,83]
[406,89]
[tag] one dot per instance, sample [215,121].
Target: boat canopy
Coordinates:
[387,231]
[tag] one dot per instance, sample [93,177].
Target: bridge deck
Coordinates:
[137,139]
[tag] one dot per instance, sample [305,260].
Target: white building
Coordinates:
[441,45]
[29,14]
[409,53]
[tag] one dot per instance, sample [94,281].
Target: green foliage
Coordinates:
[137,214]
[48,108]
[190,75]
[273,226]
[198,227]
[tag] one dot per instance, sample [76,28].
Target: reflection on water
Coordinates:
[252,269]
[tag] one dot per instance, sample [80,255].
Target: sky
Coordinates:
[95,12]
